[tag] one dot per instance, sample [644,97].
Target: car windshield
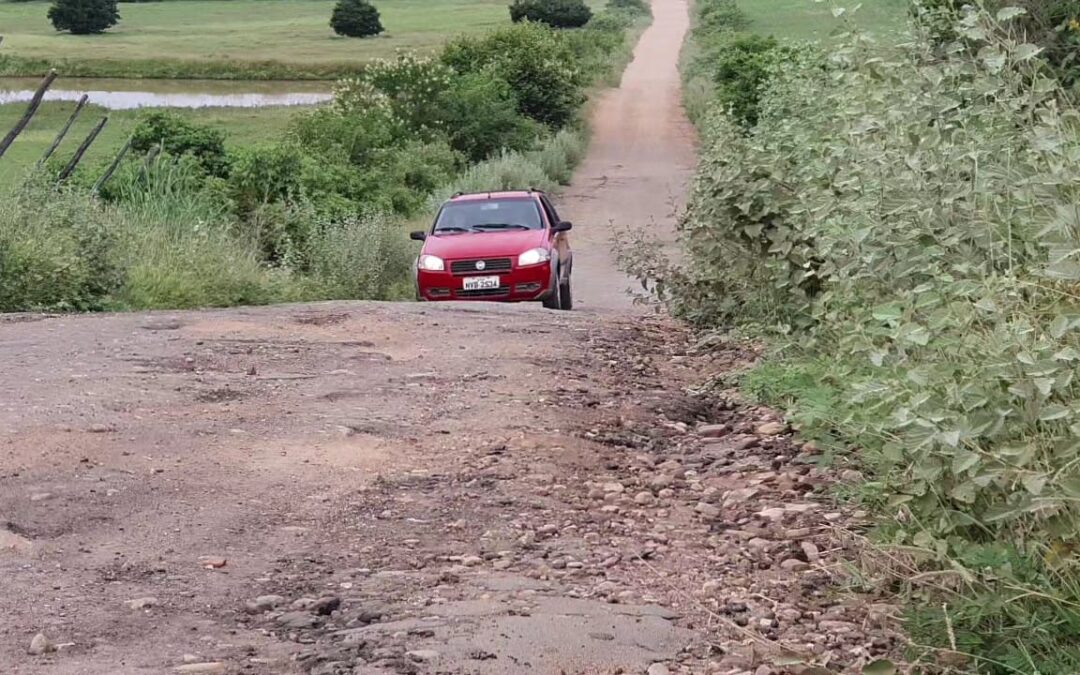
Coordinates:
[489,215]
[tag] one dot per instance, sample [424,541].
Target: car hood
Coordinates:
[483,244]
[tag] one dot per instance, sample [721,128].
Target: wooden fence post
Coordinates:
[63,132]
[112,168]
[82,149]
[30,110]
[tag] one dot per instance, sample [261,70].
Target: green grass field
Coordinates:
[265,39]
[243,126]
[810,20]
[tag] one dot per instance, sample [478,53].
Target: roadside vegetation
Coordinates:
[319,212]
[900,224]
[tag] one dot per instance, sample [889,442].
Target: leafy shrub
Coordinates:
[54,253]
[83,17]
[178,136]
[409,85]
[634,7]
[912,223]
[1052,25]
[480,115]
[740,68]
[555,13]
[355,18]
[360,121]
[366,257]
[537,63]
[734,64]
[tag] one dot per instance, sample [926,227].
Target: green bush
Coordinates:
[54,253]
[480,114]
[731,64]
[555,13]
[355,18]
[361,258]
[1052,25]
[83,17]
[908,225]
[537,63]
[176,135]
[411,85]
[740,68]
[633,7]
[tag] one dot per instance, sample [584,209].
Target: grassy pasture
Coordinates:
[232,39]
[242,126]
[810,20]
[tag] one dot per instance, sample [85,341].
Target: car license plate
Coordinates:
[479,283]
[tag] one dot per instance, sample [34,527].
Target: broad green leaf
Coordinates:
[1034,483]
[1067,354]
[889,312]
[1059,325]
[1054,412]
[1044,384]
[964,492]
[1007,13]
[993,58]
[987,304]
[913,333]
[1026,52]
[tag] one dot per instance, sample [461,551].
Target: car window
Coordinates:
[486,215]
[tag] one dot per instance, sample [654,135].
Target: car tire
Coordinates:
[554,301]
[566,296]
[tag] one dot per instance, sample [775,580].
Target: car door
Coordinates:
[560,240]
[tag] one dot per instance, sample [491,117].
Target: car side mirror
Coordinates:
[564,226]
[419,235]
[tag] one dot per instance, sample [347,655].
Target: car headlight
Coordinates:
[534,256]
[431,263]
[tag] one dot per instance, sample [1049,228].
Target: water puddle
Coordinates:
[119,94]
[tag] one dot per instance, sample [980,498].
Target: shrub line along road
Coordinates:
[369,488]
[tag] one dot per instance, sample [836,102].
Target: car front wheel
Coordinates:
[554,301]
[566,296]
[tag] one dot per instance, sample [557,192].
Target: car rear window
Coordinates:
[489,215]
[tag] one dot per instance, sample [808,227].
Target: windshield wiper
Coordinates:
[503,226]
[452,228]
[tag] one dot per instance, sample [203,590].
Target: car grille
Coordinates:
[484,292]
[464,267]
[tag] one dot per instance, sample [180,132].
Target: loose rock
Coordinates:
[206,667]
[41,645]
[142,603]
[422,654]
[644,498]
[297,620]
[714,430]
[770,429]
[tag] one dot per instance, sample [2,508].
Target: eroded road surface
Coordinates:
[404,488]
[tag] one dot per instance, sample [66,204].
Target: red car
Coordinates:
[506,246]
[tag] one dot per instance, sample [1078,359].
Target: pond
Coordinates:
[120,94]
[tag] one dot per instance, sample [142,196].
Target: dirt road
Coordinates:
[401,488]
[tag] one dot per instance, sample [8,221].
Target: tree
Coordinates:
[555,13]
[84,17]
[355,18]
